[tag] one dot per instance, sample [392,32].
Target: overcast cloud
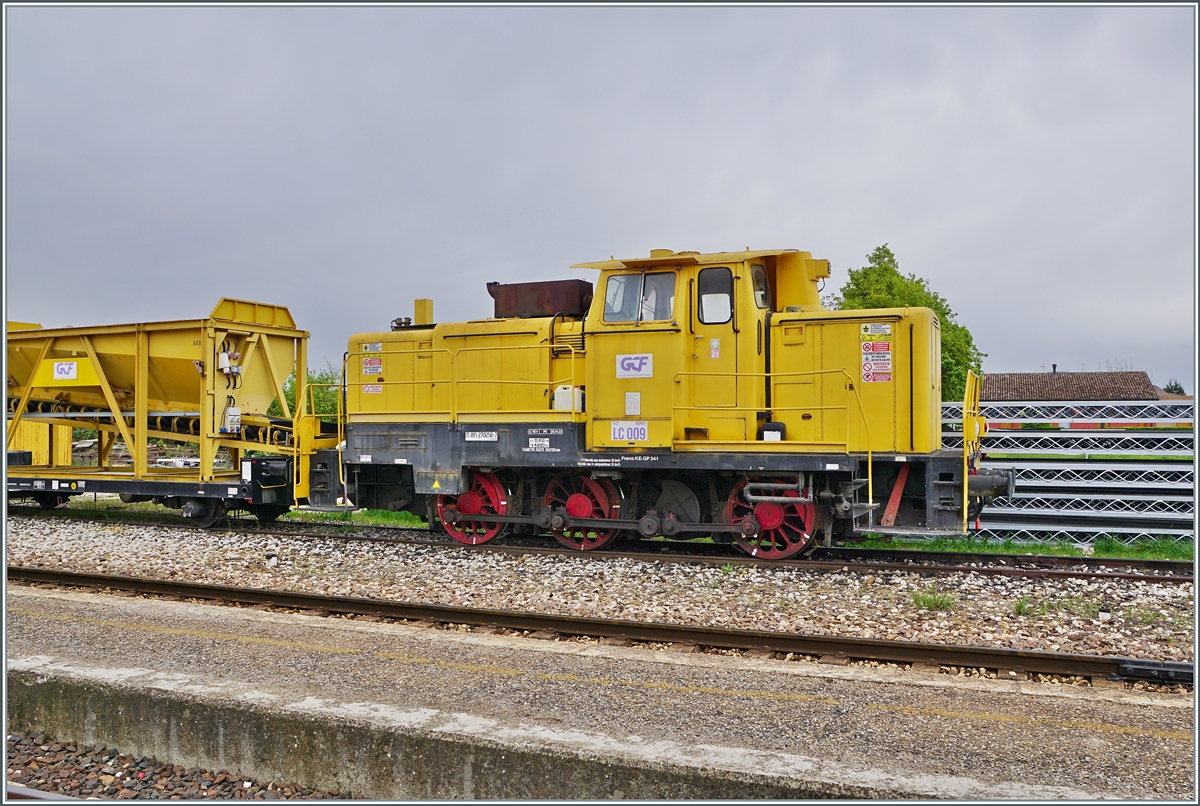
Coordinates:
[1035,165]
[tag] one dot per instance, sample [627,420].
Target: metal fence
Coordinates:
[1085,469]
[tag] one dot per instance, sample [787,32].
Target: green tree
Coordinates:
[880,284]
[323,396]
[1174,387]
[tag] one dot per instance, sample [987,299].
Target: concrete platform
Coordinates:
[394,711]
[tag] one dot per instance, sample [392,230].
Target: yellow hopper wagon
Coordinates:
[209,383]
[682,395]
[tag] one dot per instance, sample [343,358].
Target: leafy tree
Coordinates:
[880,284]
[325,387]
[1174,387]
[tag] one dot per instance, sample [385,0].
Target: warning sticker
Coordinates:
[372,347]
[876,341]
[372,366]
[372,389]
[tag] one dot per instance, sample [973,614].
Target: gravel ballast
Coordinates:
[97,771]
[564,697]
[1111,617]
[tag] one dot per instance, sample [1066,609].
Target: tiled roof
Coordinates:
[1021,386]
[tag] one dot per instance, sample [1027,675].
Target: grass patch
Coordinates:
[968,545]
[1078,606]
[362,517]
[727,568]
[1025,607]
[1143,615]
[932,600]
[1075,605]
[1157,548]
[108,507]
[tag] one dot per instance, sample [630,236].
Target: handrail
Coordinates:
[454,381]
[974,429]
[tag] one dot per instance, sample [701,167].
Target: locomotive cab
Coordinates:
[710,352]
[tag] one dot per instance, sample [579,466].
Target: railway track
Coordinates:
[823,559]
[834,649]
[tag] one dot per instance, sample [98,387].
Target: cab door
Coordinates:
[635,343]
[711,391]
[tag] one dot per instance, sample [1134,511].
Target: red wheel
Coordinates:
[486,494]
[584,497]
[784,531]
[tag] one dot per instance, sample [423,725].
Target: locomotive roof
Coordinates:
[665,257]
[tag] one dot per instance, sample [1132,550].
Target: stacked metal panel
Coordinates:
[1085,469]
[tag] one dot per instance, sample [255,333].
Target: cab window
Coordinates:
[639,297]
[762,291]
[715,288]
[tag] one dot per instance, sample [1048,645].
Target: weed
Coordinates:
[727,568]
[1078,606]
[1142,615]
[1024,607]
[932,600]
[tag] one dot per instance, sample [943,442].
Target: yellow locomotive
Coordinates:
[693,395]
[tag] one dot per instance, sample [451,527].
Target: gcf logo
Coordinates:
[65,370]
[635,366]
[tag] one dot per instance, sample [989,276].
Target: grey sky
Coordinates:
[1036,165]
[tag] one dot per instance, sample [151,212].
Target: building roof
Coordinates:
[1165,395]
[1023,386]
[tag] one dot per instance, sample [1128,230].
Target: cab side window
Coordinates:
[762,291]
[658,296]
[715,289]
[621,297]
[639,297]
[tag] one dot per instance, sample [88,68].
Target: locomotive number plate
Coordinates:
[625,431]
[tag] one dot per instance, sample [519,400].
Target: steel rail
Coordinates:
[1051,560]
[835,648]
[1168,571]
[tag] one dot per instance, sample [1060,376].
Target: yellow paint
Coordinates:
[423,312]
[148,368]
[201,634]
[604,681]
[664,369]
[49,443]
[1032,720]
[445,664]
[663,686]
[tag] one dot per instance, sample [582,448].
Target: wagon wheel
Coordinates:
[784,531]
[208,512]
[486,494]
[584,497]
[266,513]
[49,500]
